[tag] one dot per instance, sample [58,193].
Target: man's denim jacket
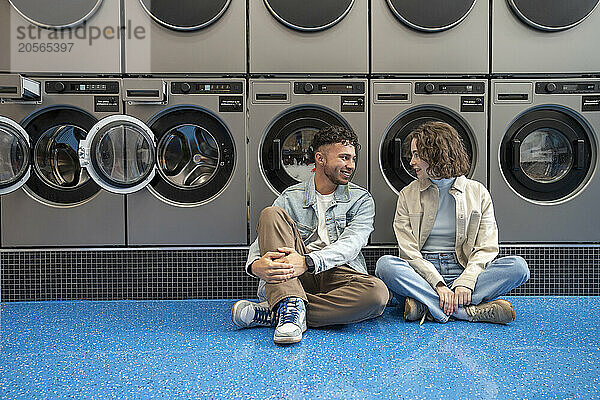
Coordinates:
[349,222]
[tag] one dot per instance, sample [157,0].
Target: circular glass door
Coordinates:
[14,156]
[195,156]
[49,14]
[285,155]
[547,154]
[431,15]
[56,134]
[185,15]
[394,152]
[553,15]
[119,154]
[309,15]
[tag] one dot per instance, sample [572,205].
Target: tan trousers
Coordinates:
[338,295]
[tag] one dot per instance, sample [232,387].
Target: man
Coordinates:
[307,253]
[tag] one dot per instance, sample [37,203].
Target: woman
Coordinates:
[448,238]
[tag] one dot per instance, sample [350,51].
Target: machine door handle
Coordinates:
[276,155]
[397,154]
[580,153]
[516,154]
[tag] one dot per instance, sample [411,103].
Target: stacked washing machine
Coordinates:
[545,120]
[48,197]
[426,67]
[308,67]
[123,123]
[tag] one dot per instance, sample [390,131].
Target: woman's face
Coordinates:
[419,165]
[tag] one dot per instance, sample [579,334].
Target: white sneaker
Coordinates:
[247,314]
[292,321]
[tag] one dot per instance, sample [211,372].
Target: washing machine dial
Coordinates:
[185,87]
[550,87]
[59,87]
[429,88]
[308,87]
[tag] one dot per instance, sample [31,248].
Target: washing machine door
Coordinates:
[394,152]
[553,15]
[56,134]
[195,156]
[119,154]
[185,15]
[547,154]
[285,154]
[309,15]
[431,15]
[14,156]
[49,14]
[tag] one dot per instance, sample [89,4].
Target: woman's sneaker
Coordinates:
[247,314]
[496,311]
[292,321]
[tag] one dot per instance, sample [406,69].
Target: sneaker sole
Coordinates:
[233,312]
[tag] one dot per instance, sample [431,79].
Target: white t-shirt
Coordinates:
[323,203]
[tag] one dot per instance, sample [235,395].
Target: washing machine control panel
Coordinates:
[567,87]
[85,87]
[329,88]
[206,87]
[449,88]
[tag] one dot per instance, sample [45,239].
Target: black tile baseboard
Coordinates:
[198,273]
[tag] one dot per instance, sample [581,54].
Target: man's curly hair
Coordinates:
[331,135]
[440,146]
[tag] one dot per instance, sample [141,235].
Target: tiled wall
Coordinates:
[141,274]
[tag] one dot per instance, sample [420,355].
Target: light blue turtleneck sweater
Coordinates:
[443,234]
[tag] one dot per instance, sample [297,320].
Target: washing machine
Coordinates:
[429,37]
[398,106]
[541,36]
[190,37]
[283,118]
[43,123]
[178,154]
[544,159]
[43,37]
[309,37]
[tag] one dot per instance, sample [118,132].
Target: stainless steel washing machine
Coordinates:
[544,159]
[185,141]
[429,37]
[309,37]
[283,118]
[541,36]
[43,123]
[398,106]
[187,37]
[46,37]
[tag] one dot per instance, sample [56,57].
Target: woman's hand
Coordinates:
[462,297]
[446,298]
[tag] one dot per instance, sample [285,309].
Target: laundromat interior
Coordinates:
[140,140]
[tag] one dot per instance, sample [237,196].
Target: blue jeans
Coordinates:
[499,277]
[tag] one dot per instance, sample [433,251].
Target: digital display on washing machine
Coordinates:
[88,87]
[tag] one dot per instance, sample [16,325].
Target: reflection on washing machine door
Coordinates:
[394,149]
[14,156]
[47,14]
[553,15]
[119,154]
[285,154]
[56,134]
[195,156]
[309,15]
[431,15]
[546,154]
[185,15]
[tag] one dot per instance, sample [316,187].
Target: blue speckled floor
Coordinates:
[189,349]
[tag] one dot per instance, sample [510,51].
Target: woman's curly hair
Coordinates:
[440,146]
